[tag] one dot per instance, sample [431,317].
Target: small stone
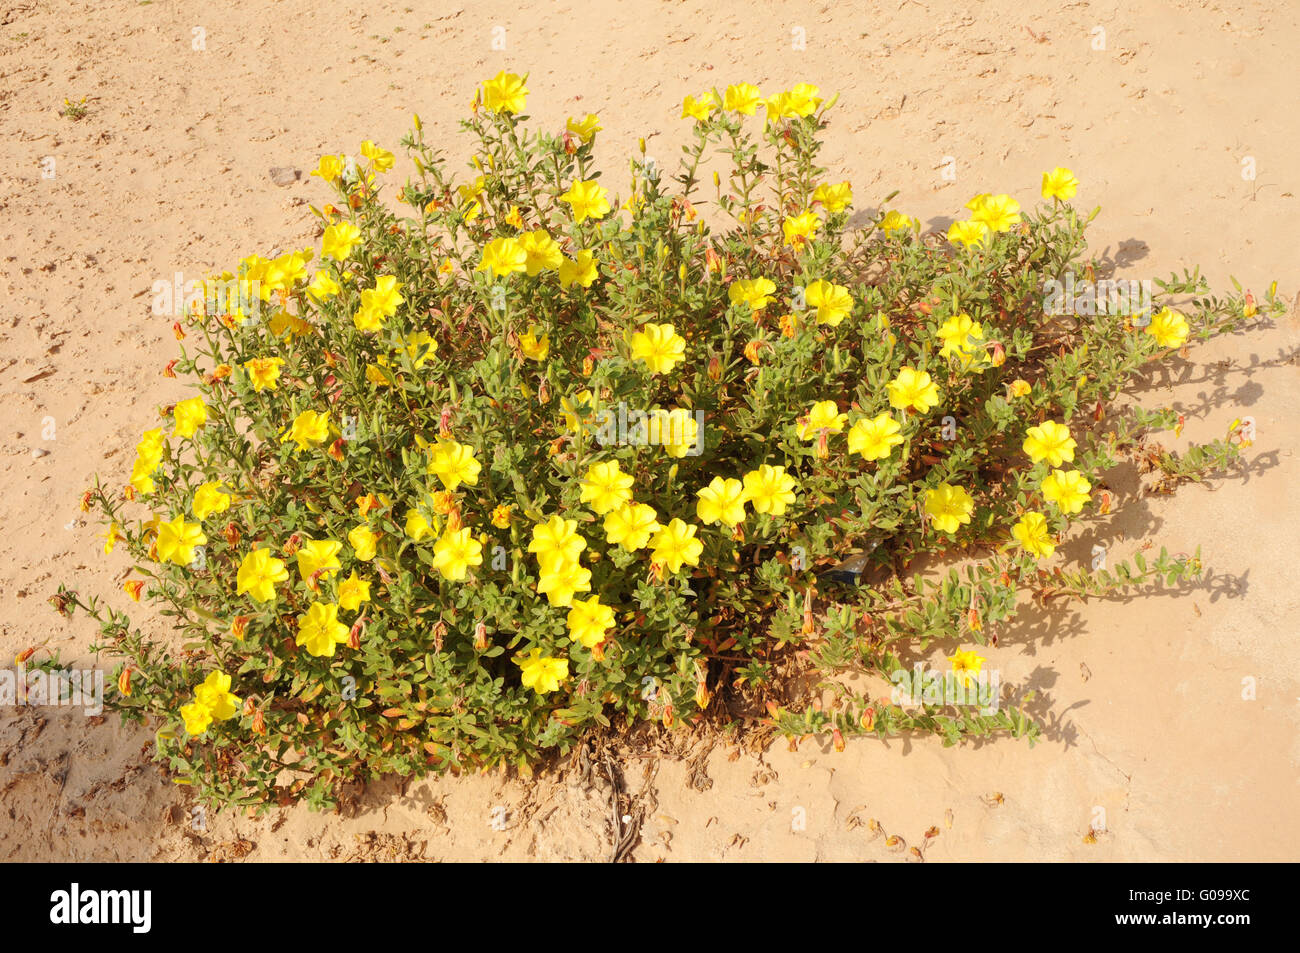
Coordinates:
[40,452]
[285,176]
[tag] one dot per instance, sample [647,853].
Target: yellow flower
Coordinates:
[584,128]
[969,232]
[1067,489]
[823,415]
[197,718]
[949,506]
[834,198]
[453,463]
[743,98]
[587,199]
[263,372]
[318,555]
[675,430]
[722,501]
[876,438]
[505,93]
[997,212]
[577,410]
[540,673]
[1020,388]
[1169,328]
[353,591]
[363,540]
[283,323]
[111,536]
[378,303]
[541,252]
[631,526]
[381,159]
[258,574]
[557,537]
[699,109]
[606,487]
[1032,534]
[754,292]
[419,347]
[895,221]
[960,335]
[177,539]
[913,388]
[503,256]
[675,545]
[580,270]
[209,499]
[1050,441]
[588,621]
[190,415]
[501,516]
[803,99]
[769,489]
[1060,183]
[833,302]
[320,630]
[966,664]
[561,579]
[800,228]
[151,445]
[339,240]
[309,429]
[329,168]
[659,346]
[533,347]
[214,694]
[417,527]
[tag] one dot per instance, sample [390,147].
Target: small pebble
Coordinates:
[40,452]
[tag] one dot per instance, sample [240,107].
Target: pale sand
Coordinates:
[170,172]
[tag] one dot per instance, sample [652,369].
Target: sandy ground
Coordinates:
[1142,698]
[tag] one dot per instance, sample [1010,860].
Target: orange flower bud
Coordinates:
[837,739]
[588,365]
[124,681]
[133,588]
[85,502]
[24,655]
[259,723]
[480,637]
[231,532]
[336,449]
[752,349]
[239,626]
[177,331]
[292,545]
[668,719]
[715,369]
[170,369]
[598,651]
[354,634]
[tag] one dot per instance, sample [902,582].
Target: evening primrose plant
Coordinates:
[529,458]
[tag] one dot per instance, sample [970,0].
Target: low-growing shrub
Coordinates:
[529,459]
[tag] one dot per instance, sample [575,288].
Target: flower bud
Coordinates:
[124,681]
[133,588]
[480,637]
